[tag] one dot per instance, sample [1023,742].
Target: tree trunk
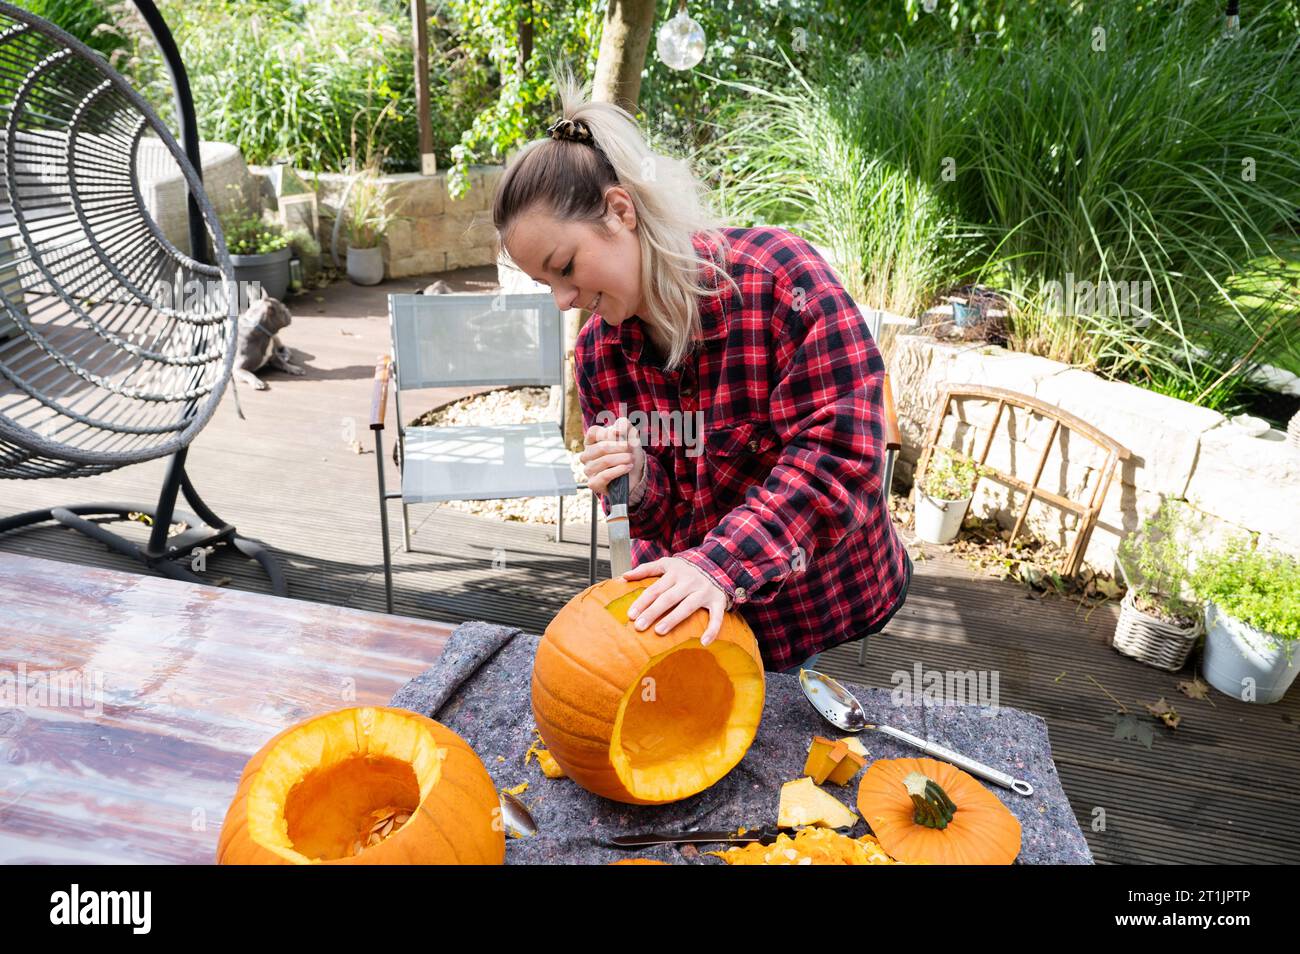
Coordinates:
[624,40]
[524,38]
[424,119]
[623,44]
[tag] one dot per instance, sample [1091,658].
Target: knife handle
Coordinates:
[617,492]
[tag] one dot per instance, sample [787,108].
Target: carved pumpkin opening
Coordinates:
[639,717]
[364,785]
[336,807]
[685,721]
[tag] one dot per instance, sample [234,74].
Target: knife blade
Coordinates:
[620,535]
[764,835]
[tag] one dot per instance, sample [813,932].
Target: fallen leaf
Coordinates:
[1030,574]
[1196,689]
[1166,713]
[1109,588]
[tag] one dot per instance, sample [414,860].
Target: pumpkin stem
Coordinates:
[934,809]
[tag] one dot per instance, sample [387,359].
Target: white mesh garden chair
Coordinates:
[462,340]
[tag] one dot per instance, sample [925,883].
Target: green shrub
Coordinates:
[246,230]
[1053,155]
[308,82]
[949,477]
[92,22]
[1156,566]
[1259,588]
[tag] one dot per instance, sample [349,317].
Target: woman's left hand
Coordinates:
[681,589]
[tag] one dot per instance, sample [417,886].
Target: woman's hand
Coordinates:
[681,589]
[611,452]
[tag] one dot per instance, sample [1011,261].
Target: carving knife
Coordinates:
[620,536]
[765,835]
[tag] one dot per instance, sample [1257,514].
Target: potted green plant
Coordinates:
[1159,622]
[943,495]
[367,218]
[259,250]
[1252,620]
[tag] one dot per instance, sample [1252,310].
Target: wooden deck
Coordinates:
[1215,790]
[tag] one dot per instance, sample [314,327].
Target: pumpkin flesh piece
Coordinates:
[689,725]
[316,793]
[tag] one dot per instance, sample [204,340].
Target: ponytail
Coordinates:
[595,146]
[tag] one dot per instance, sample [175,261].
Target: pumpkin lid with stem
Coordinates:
[929,812]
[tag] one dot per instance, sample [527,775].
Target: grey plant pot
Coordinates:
[271,270]
[1236,652]
[366,265]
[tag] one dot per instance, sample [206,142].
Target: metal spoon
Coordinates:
[517,818]
[841,709]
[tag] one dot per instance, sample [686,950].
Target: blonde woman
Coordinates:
[748,366]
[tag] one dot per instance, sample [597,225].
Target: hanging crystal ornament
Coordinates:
[681,41]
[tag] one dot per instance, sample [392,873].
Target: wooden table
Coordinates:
[129,703]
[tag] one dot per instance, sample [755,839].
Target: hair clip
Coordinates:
[572,130]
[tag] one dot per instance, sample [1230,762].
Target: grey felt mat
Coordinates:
[479,687]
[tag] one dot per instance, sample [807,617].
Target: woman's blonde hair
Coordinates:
[569,179]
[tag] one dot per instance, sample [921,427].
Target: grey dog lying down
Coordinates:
[259,347]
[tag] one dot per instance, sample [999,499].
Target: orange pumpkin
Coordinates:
[364,785]
[638,717]
[928,812]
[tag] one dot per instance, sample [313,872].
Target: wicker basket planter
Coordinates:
[1293,431]
[1153,641]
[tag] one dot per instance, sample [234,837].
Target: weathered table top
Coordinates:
[142,698]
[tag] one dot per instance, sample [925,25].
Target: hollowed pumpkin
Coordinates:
[638,717]
[364,785]
[928,812]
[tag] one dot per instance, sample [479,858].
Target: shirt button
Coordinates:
[753,446]
[740,594]
[687,392]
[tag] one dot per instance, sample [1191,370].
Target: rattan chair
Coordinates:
[115,345]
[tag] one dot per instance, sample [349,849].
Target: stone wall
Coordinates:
[435,233]
[1233,481]
[226,182]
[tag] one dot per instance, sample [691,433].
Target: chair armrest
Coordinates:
[379,399]
[893,438]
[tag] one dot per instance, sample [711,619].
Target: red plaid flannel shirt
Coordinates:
[779,500]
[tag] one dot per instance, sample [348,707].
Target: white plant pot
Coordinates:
[366,265]
[937,521]
[1236,652]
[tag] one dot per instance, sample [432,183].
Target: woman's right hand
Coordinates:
[611,452]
